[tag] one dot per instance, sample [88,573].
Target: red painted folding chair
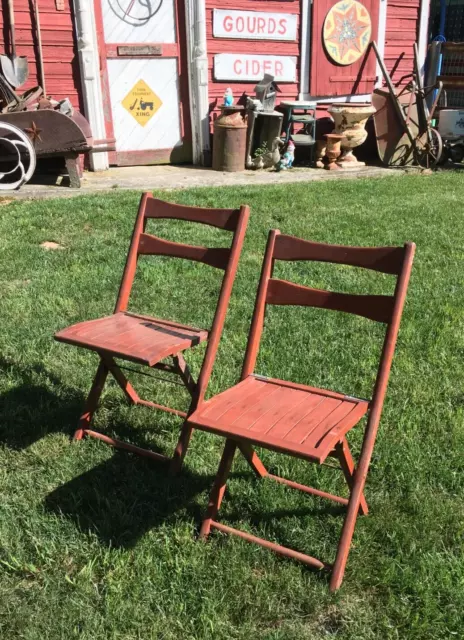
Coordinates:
[148,341]
[296,419]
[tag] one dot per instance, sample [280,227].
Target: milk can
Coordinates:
[230,136]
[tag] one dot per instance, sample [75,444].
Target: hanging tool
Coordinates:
[15,69]
[39,45]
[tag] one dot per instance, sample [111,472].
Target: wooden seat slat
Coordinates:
[129,336]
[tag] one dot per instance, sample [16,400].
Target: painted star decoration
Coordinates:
[347,31]
[34,132]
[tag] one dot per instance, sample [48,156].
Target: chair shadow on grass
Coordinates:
[31,410]
[124,497]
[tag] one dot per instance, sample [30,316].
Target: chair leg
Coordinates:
[253,459]
[181,449]
[92,400]
[344,544]
[185,374]
[219,487]
[128,390]
[343,453]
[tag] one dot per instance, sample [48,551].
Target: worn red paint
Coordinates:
[147,341]
[295,419]
[240,47]
[59,47]
[403,17]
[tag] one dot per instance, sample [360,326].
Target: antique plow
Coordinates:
[403,121]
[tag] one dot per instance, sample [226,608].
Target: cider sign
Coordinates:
[254,25]
[245,66]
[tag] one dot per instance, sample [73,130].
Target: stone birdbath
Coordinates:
[350,122]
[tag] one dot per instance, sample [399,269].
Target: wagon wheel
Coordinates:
[17,157]
[429,149]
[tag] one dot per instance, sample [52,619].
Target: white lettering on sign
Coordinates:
[243,66]
[254,25]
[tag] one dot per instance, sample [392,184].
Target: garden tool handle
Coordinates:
[39,42]
[12,27]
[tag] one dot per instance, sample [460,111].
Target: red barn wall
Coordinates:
[271,47]
[61,63]
[403,18]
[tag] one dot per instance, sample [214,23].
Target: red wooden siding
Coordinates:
[403,18]
[329,78]
[223,45]
[61,63]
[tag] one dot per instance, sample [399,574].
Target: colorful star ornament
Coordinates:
[347,31]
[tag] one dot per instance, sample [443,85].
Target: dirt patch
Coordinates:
[52,246]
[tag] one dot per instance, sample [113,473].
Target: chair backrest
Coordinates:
[396,261]
[232,220]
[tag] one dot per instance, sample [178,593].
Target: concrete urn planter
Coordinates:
[350,121]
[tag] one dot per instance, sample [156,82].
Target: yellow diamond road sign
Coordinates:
[141,102]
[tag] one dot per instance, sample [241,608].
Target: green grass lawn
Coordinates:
[97,544]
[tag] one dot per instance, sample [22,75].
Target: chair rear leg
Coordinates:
[343,453]
[128,390]
[253,459]
[184,373]
[181,449]
[354,506]
[219,487]
[92,400]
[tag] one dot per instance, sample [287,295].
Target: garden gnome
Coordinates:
[286,161]
[228,98]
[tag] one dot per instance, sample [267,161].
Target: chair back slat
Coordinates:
[226,219]
[233,220]
[152,245]
[396,261]
[378,308]
[383,259]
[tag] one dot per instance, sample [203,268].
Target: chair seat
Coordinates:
[281,416]
[133,337]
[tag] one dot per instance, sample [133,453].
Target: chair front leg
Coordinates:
[92,400]
[181,449]
[354,506]
[343,453]
[184,373]
[219,487]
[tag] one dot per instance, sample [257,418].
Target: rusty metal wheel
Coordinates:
[17,157]
[429,149]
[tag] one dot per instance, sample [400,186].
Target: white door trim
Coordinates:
[305,48]
[197,61]
[381,35]
[89,65]
[423,32]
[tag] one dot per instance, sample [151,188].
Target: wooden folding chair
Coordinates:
[148,341]
[296,419]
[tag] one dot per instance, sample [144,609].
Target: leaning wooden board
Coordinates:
[393,143]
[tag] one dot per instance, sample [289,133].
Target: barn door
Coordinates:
[341,33]
[142,53]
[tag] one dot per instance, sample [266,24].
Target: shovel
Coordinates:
[15,69]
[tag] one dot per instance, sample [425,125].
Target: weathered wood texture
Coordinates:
[289,90]
[329,78]
[301,421]
[147,340]
[403,18]
[61,64]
